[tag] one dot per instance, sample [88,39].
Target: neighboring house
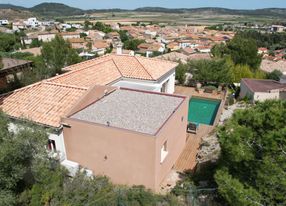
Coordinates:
[113,35]
[29,39]
[70,35]
[32,22]
[261,89]
[277,28]
[204,49]
[96,35]
[17,26]
[133,137]
[78,43]
[46,36]
[12,67]
[175,57]
[173,46]
[47,101]
[262,50]
[150,48]
[100,47]
[183,43]
[4,22]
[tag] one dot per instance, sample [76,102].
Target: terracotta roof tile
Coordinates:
[132,66]
[44,103]
[102,73]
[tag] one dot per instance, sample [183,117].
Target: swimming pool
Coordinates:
[203,111]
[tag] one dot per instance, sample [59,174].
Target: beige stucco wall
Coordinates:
[245,92]
[125,156]
[262,96]
[174,132]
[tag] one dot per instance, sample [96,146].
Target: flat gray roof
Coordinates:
[132,110]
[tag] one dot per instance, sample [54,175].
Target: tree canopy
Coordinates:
[253,162]
[58,54]
[211,71]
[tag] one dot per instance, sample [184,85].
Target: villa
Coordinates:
[46,102]
[132,136]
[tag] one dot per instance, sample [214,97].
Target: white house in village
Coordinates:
[32,22]
[4,22]
[46,102]
[46,36]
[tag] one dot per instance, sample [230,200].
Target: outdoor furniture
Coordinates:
[219,90]
[208,90]
[192,127]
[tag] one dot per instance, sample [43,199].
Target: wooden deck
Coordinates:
[187,160]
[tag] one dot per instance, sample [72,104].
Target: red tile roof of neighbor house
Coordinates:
[47,101]
[263,85]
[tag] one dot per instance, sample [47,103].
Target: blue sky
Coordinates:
[131,4]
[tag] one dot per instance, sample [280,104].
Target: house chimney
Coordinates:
[119,48]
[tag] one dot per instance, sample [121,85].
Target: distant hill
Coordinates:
[277,12]
[56,9]
[12,14]
[11,6]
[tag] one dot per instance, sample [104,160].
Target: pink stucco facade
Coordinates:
[126,157]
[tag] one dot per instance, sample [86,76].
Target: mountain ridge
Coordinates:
[59,9]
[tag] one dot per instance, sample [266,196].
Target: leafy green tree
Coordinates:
[35,43]
[8,42]
[253,164]
[181,72]
[218,50]
[17,154]
[275,75]
[102,27]
[241,71]
[58,54]
[211,71]
[132,44]
[244,51]
[123,35]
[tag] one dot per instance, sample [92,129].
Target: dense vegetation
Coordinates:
[55,9]
[253,164]
[242,51]
[9,42]
[56,55]
[232,61]
[28,177]
[271,41]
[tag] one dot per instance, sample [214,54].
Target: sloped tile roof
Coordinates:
[134,67]
[47,101]
[102,73]
[43,102]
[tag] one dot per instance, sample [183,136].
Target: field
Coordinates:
[204,18]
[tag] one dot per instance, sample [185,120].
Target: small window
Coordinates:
[164,151]
[52,145]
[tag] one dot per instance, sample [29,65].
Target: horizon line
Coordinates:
[179,8]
